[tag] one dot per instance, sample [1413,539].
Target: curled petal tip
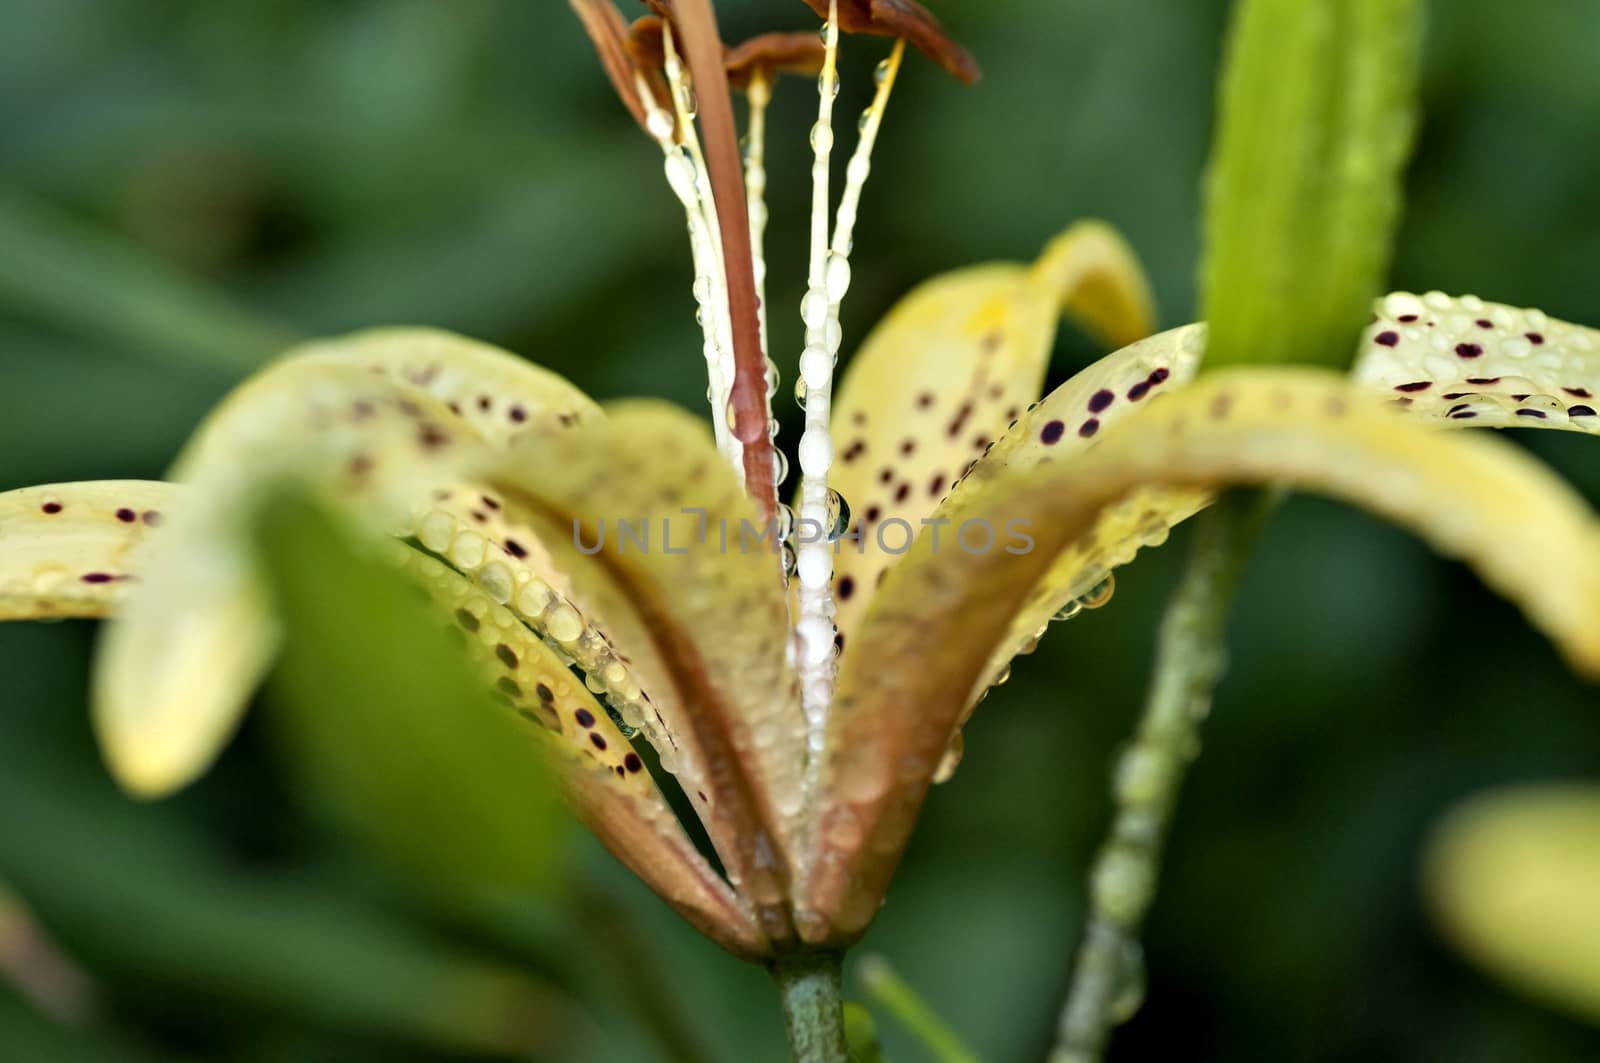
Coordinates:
[911,21]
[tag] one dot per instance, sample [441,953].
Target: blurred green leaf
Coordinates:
[861,1034]
[390,726]
[1515,879]
[177,927]
[892,993]
[1317,112]
[56,268]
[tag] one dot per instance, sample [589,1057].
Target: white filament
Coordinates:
[691,183]
[814,628]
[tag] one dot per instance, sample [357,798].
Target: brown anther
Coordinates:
[908,19]
[770,53]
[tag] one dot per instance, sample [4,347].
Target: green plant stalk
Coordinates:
[892,993]
[1191,655]
[813,1012]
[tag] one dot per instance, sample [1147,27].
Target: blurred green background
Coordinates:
[185,184]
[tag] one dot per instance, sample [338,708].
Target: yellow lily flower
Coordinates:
[803,714]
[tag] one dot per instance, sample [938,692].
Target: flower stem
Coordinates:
[1108,975]
[808,986]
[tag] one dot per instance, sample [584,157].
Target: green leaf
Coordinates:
[1317,112]
[391,727]
[893,994]
[861,1034]
[91,283]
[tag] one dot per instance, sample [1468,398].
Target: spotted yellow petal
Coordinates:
[74,549]
[531,563]
[939,379]
[670,526]
[1513,878]
[1477,498]
[1479,363]
[604,779]
[377,422]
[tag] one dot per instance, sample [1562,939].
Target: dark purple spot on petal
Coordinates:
[902,492]
[1535,338]
[925,400]
[1578,393]
[1484,322]
[544,692]
[598,740]
[584,717]
[885,475]
[1415,385]
[466,620]
[152,517]
[1139,391]
[1539,414]
[872,514]
[936,487]
[1468,350]
[518,414]
[847,587]
[1580,411]
[516,549]
[1052,432]
[908,447]
[1158,376]
[492,503]
[52,508]
[858,418]
[1483,381]
[126,515]
[98,577]
[1406,319]
[507,655]
[632,763]
[1089,427]
[484,402]
[1452,411]
[1387,339]
[1100,400]
[1464,415]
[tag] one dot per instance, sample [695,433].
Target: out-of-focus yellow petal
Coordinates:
[74,549]
[606,782]
[1513,877]
[1473,363]
[694,566]
[939,379]
[1528,535]
[377,422]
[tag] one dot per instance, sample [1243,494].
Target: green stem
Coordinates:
[900,1000]
[808,986]
[1108,975]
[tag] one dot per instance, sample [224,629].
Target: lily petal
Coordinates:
[378,420]
[1475,362]
[940,378]
[708,591]
[605,781]
[71,550]
[1525,531]
[910,20]
[532,565]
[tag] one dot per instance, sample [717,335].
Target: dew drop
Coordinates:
[881,73]
[836,277]
[838,515]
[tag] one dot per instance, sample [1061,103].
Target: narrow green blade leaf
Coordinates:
[389,724]
[1315,122]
